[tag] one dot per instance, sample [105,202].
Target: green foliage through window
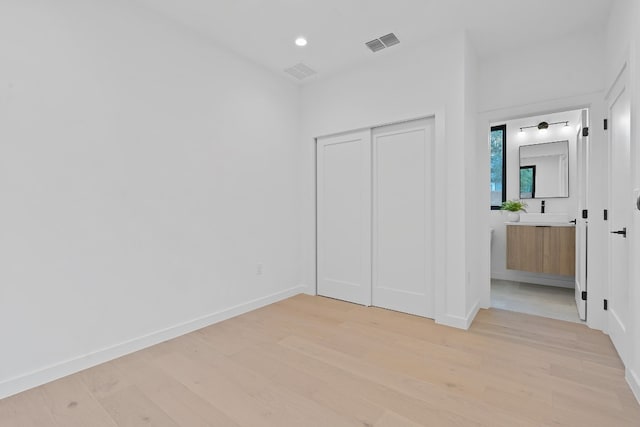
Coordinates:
[527,182]
[498,179]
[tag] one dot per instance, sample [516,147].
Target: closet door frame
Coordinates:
[440,199]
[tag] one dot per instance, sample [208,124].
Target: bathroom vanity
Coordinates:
[541,247]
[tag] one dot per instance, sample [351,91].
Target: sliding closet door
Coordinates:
[344,216]
[403,196]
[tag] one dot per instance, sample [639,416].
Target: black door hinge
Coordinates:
[606,124]
[584,295]
[585,214]
[585,131]
[606,215]
[606,305]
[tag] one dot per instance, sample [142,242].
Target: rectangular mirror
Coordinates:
[544,170]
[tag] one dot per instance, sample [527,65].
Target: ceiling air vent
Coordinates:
[375,45]
[382,42]
[300,71]
[389,40]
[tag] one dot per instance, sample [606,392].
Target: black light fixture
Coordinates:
[544,125]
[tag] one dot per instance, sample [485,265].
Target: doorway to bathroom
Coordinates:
[538,257]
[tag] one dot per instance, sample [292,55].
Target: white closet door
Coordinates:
[344,216]
[403,245]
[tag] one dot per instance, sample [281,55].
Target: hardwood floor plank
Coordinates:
[176,400]
[131,407]
[377,393]
[291,407]
[27,409]
[104,380]
[437,396]
[226,396]
[313,361]
[391,419]
[71,404]
[314,387]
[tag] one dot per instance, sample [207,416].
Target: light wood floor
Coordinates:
[313,361]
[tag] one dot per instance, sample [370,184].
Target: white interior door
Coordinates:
[582,151]
[403,157]
[344,216]
[620,205]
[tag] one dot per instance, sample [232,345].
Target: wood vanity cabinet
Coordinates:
[541,249]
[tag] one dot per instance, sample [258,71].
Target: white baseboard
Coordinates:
[634,382]
[53,372]
[459,321]
[309,290]
[535,279]
[471,315]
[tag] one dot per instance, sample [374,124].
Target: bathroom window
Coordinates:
[498,165]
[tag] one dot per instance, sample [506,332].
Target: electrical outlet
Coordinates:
[259,269]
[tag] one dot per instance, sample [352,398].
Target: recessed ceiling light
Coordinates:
[301,41]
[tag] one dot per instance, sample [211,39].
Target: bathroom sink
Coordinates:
[545,219]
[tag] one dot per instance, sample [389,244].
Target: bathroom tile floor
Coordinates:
[539,300]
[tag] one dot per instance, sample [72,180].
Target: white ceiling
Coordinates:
[264,30]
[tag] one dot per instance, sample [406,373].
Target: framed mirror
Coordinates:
[544,170]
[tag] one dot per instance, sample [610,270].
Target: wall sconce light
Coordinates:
[543,126]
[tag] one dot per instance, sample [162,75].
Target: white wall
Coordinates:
[568,205]
[560,68]
[402,85]
[477,255]
[143,175]
[559,75]
[623,45]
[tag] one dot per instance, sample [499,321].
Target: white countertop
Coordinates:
[542,224]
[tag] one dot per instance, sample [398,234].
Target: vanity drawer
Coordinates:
[542,249]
